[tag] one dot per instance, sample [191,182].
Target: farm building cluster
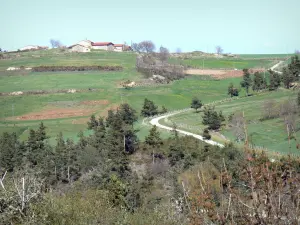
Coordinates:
[86,46]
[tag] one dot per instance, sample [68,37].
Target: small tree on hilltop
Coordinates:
[219,50]
[146,46]
[196,103]
[246,82]
[149,108]
[163,54]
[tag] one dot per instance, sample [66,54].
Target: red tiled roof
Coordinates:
[101,43]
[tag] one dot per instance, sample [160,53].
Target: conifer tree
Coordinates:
[127,114]
[287,77]
[247,81]
[259,83]
[149,108]
[93,123]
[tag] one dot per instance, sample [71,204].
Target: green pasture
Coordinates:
[177,95]
[270,134]
[58,58]
[224,63]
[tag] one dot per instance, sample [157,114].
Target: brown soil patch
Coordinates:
[55,113]
[95,102]
[220,74]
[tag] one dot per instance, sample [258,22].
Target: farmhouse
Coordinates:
[79,48]
[86,43]
[108,46]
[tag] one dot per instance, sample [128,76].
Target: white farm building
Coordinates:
[79,48]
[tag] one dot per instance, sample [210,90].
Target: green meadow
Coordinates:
[106,85]
[270,134]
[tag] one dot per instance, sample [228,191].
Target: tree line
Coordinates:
[290,74]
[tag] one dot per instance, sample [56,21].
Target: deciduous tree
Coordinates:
[163,54]
[219,50]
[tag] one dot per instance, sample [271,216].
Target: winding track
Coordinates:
[155,121]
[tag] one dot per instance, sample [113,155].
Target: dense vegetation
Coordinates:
[111,177]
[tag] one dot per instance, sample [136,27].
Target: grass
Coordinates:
[176,95]
[224,63]
[57,58]
[270,134]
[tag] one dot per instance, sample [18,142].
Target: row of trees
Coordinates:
[259,82]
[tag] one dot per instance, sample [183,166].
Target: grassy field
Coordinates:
[225,63]
[270,134]
[176,95]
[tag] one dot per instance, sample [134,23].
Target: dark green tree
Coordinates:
[110,117]
[8,149]
[163,110]
[212,118]
[196,103]
[232,91]
[149,108]
[287,77]
[294,67]
[61,158]
[206,134]
[128,114]
[247,81]
[275,80]
[259,83]
[93,123]
[153,139]
[298,99]
[176,153]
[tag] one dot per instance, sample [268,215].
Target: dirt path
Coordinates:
[155,121]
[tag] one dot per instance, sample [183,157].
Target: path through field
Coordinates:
[155,121]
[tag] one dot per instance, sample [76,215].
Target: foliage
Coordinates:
[259,82]
[212,118]
[287,77]
[275,80]
[206,134]
[149,109]
[247,81]
[232,91]
[196,103]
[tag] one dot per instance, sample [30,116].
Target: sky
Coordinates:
[239,26]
